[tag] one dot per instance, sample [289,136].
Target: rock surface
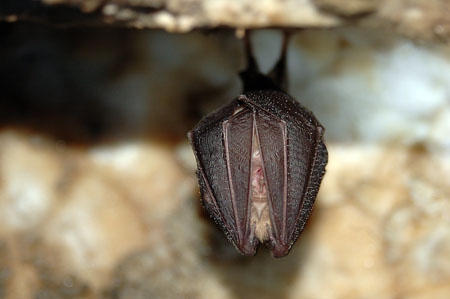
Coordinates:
[417,19]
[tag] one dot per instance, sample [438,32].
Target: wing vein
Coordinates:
[230,180]
[285,199]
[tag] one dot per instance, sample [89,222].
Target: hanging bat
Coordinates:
[261,160]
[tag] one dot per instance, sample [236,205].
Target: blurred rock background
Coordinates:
[98,194]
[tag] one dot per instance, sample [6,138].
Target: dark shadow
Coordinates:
[91,85]
[48,85]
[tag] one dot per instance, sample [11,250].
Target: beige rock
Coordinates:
[380,227]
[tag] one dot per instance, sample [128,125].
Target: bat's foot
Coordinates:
[253,79]
[279,72]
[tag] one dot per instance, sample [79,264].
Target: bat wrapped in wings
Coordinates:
[260,159]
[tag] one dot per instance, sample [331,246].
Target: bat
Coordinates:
[261,160]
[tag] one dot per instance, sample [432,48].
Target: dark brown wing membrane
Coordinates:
[272,138]
[238,131]
[206,139]
[316,176]
[305,166]
[302,144]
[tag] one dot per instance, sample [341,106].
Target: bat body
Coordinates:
[260,162]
